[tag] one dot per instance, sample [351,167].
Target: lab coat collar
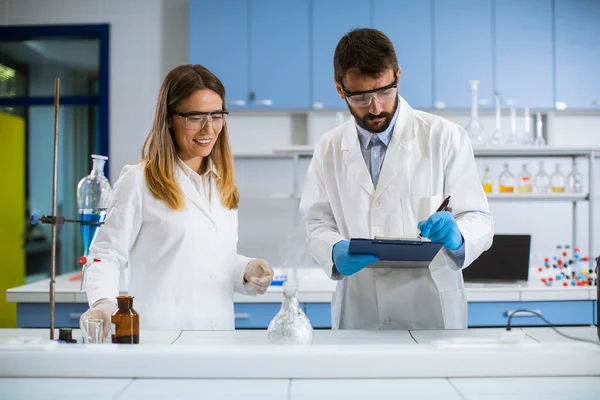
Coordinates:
[186,178]
[396,154]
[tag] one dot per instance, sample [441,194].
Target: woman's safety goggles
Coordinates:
[197,120]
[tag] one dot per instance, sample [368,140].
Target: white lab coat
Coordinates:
[183,265]
[427,159]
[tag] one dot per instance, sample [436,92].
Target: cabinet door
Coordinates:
[279,54]
[577,24]
[524,52]
[462,52]
[218,39]
[409,25]
[331,19]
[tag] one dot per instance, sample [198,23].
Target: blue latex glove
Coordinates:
[442,227]
[349,264]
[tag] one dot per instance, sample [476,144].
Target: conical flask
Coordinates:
[93,196]
[474,128]
[290,325]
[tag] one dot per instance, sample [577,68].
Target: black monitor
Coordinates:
[506,261]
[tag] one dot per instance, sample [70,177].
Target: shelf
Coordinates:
[538,196]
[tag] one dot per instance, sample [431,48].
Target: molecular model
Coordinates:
[565,269]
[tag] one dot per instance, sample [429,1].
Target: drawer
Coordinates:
[595,312]
[255,315]
[319,314]
[37,315]
[556,312]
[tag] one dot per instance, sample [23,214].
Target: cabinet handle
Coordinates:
[237,103]
[242,316]
[439,105]
[522,314]
[266,102]
[596,103]
[75,315]
[317,105]
[560,105]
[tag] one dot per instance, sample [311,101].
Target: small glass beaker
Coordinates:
[93,331]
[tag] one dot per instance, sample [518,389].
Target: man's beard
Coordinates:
[364,122]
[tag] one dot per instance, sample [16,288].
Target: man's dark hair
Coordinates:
[367,51]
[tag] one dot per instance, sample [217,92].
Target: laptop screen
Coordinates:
[506,261]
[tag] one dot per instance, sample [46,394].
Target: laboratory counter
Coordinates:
[532,363]
[489,304]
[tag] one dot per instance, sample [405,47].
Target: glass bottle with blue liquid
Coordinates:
[93,196]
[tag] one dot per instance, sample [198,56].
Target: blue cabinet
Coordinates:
[331,19]
[462,52]
[218,40]
[577,25]
[556,312]
[319,314]
[409,26]
[279,54]
[524,52]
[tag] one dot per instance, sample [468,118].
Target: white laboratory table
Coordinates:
[452,364]
[489,305]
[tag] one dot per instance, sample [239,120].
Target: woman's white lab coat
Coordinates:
[427,159]
[183,265]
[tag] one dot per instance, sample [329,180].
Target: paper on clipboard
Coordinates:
[397,252]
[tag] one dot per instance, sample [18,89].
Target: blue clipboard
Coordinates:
[397,253]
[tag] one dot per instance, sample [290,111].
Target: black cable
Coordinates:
[550,325]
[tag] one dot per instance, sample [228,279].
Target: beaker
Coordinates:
[541,180]
[527,136]
[506,182]
[93,331]
[497,137]
[487,181]
[474,128]
[557,181]
[574,180]
[524,184]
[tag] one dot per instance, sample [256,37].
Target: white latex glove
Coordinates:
[259,275]
[102,309]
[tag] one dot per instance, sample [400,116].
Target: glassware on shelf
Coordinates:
[506,181]
[539,137]
[527,136]
[524,184]
[487,181]
[542,180]
[474,128]
[497,137]
[513,139]
[574,181]
[557,181]
[290,325]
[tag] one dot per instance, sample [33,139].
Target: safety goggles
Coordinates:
[364,98]
[197,120]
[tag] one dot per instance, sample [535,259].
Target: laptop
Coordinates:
[507,261]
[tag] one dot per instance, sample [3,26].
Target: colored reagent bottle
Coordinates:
[125,322]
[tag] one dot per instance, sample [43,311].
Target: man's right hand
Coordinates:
[349,264]
[102,309]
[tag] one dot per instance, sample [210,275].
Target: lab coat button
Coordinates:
[212,277]
[211,228]
[376,204]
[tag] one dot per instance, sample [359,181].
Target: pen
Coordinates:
[440,208]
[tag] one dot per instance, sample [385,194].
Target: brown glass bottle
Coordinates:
[125,322]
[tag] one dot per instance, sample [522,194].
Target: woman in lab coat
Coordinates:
[173,218]
[384,173]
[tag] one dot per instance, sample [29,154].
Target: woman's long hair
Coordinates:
[159,151]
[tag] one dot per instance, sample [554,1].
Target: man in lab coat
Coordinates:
[384,173]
